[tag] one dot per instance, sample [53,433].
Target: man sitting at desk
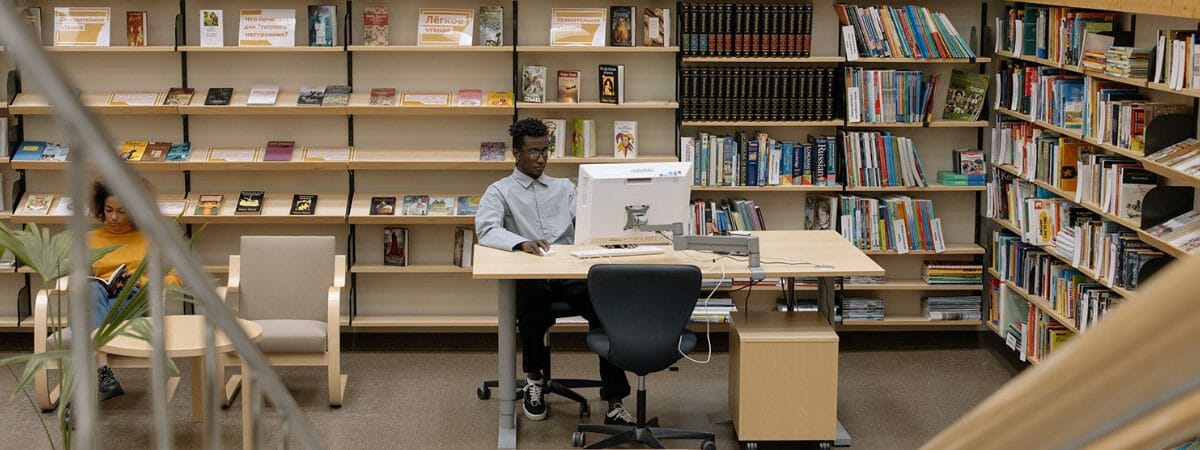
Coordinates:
[529,211]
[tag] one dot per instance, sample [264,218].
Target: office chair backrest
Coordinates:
[644,310]
[285,277]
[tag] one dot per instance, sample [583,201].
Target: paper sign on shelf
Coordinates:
[447,27]
[81,27]
[850,43]
[267,28]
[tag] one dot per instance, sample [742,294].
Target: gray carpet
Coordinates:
[895,392]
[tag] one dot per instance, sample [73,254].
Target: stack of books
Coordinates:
[1130,62]
[760,160]
[903,31]
[887,95]
[952,272]
[962,307]
[862,309]
[878,159]
[714,310]
[864,279]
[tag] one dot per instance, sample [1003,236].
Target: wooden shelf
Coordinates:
[780,188]
[911,285]
[1084,270]
[933,124]
[416,268]
[507,49]
[395,321]
[199,163]
[34,104]
[930,188]
[420,159]
[276,210]
[909,322]
[360,105]
[1163,88]
[14,322]
[360,212]
[762,60]
[21,215]
[285,105]
[1007,225]
[591,49]
[900,60]
[822,123]
[992,326]
[951,249]
[112,49]
[774,287]
[260,49]
[1184,9]
[144,166]
[598,105]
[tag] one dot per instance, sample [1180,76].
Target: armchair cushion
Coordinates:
[285,277]
[292,336]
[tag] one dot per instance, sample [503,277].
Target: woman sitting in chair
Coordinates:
[117,230]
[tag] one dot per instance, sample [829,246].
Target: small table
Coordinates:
[184,338]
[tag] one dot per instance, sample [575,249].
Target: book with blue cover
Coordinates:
[179,152]
[29,151]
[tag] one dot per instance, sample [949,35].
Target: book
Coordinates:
[625,143]
[311,95]
[383,206]
[424,99]
[491,151]
[179,96]
[568,86]
[612,89]
[395,246]
[578,27]
[218,96]
[468,205]
[557,132]
[116,98]
[336,95]
[969,162]
[250,203]
[304,204]
[135,28]
[469,97]
[583,143]
[279,151]
[57,152]
[1134,185]
[446,27]
[533,84]
[491,26]
[328,153]
[799,94]
[172,208]
[209,205]
[965,97]
[263,94]
[29,151]
[322,25]
[233,154]
[656,27]
[1182,222]
[179,152]
[133,150]
[383,97]
[464,246]
[81,27]
[38,204]
[375,26]
[500,98]
[441,206]
[622,29]
[415,205]
[63,207]
[115,281]
[267,28]
[157,152]
[32,16]
[212,28]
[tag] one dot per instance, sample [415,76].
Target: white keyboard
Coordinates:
[618,252]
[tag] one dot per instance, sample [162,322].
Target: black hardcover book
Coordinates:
[706,39]
[806,29]
[727,30]
[764,82]
[777,44]
[805,102]
[249,202]
[778,99]
[304,204]
[621,25]
[830,111]
[685,29]
[755,30]
[608,83]
[743,95]
[685,94]
[218,96]
[735,30]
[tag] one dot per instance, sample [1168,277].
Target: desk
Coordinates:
[780,251]
[184,338]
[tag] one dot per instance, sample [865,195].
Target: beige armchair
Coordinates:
[290,286]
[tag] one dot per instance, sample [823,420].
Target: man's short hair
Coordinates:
[527,127]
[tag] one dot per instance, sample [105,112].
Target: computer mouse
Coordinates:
[545,252]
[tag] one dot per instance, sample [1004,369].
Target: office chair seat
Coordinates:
[599,343]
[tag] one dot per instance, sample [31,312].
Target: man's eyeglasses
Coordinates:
[538,154]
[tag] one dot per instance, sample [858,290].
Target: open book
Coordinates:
[115,282]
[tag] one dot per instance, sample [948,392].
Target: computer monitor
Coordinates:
[605,190]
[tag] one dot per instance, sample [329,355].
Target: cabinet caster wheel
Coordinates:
[708,445]
[749,446]
[826,445]
[585,411]
[483,393]
[577,439]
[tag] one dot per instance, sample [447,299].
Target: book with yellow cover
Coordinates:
[133,150]
[500,98]
[81,27]
[447,27]
[584,27]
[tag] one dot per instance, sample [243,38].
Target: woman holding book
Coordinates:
[117,229]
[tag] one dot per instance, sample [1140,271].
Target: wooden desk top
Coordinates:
[780,250]
[184,338]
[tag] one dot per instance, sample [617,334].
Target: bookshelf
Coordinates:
[797,124]
[598,105]
[112,49]
[301,49]
[426,49]
[550,49]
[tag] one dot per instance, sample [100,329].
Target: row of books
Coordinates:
[952,272]
[426,205]
[1183,156]
[713,310]
[1066,289]
[311,95]
[757,94]
[896,223]
[878,159]
[959,307]
[746,29]
[582,144]
[1118,115]
[905,96]
[902,31]
[1053,33]
[395,246]
[760,160]
[611,84]
[147,151]
[1177,59]
[1117,184]
[717,217]
[1035,334]
[1182,231]
[856,308]
[1036,153]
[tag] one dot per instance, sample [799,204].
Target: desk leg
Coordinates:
[827,305]
[507,339]
[249,407]
[197,389]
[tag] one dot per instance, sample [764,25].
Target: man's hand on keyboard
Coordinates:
[532,247]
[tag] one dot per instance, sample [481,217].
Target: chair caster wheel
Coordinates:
[708,445]
[577,439]
[749,446]
[483,393]
[826,445]
[584,410]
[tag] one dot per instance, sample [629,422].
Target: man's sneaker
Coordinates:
[535,400]
[618,415]
[109,387]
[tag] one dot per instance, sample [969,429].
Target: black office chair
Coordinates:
[643,311]
[564,387]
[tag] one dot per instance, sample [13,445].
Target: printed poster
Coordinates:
[447,27]
[81,27]
[267,28]
[578,27]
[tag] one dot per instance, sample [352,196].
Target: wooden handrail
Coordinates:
[1090,390]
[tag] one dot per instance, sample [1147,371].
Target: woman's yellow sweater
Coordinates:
[133,246]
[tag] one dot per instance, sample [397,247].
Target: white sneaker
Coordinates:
[534,401]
